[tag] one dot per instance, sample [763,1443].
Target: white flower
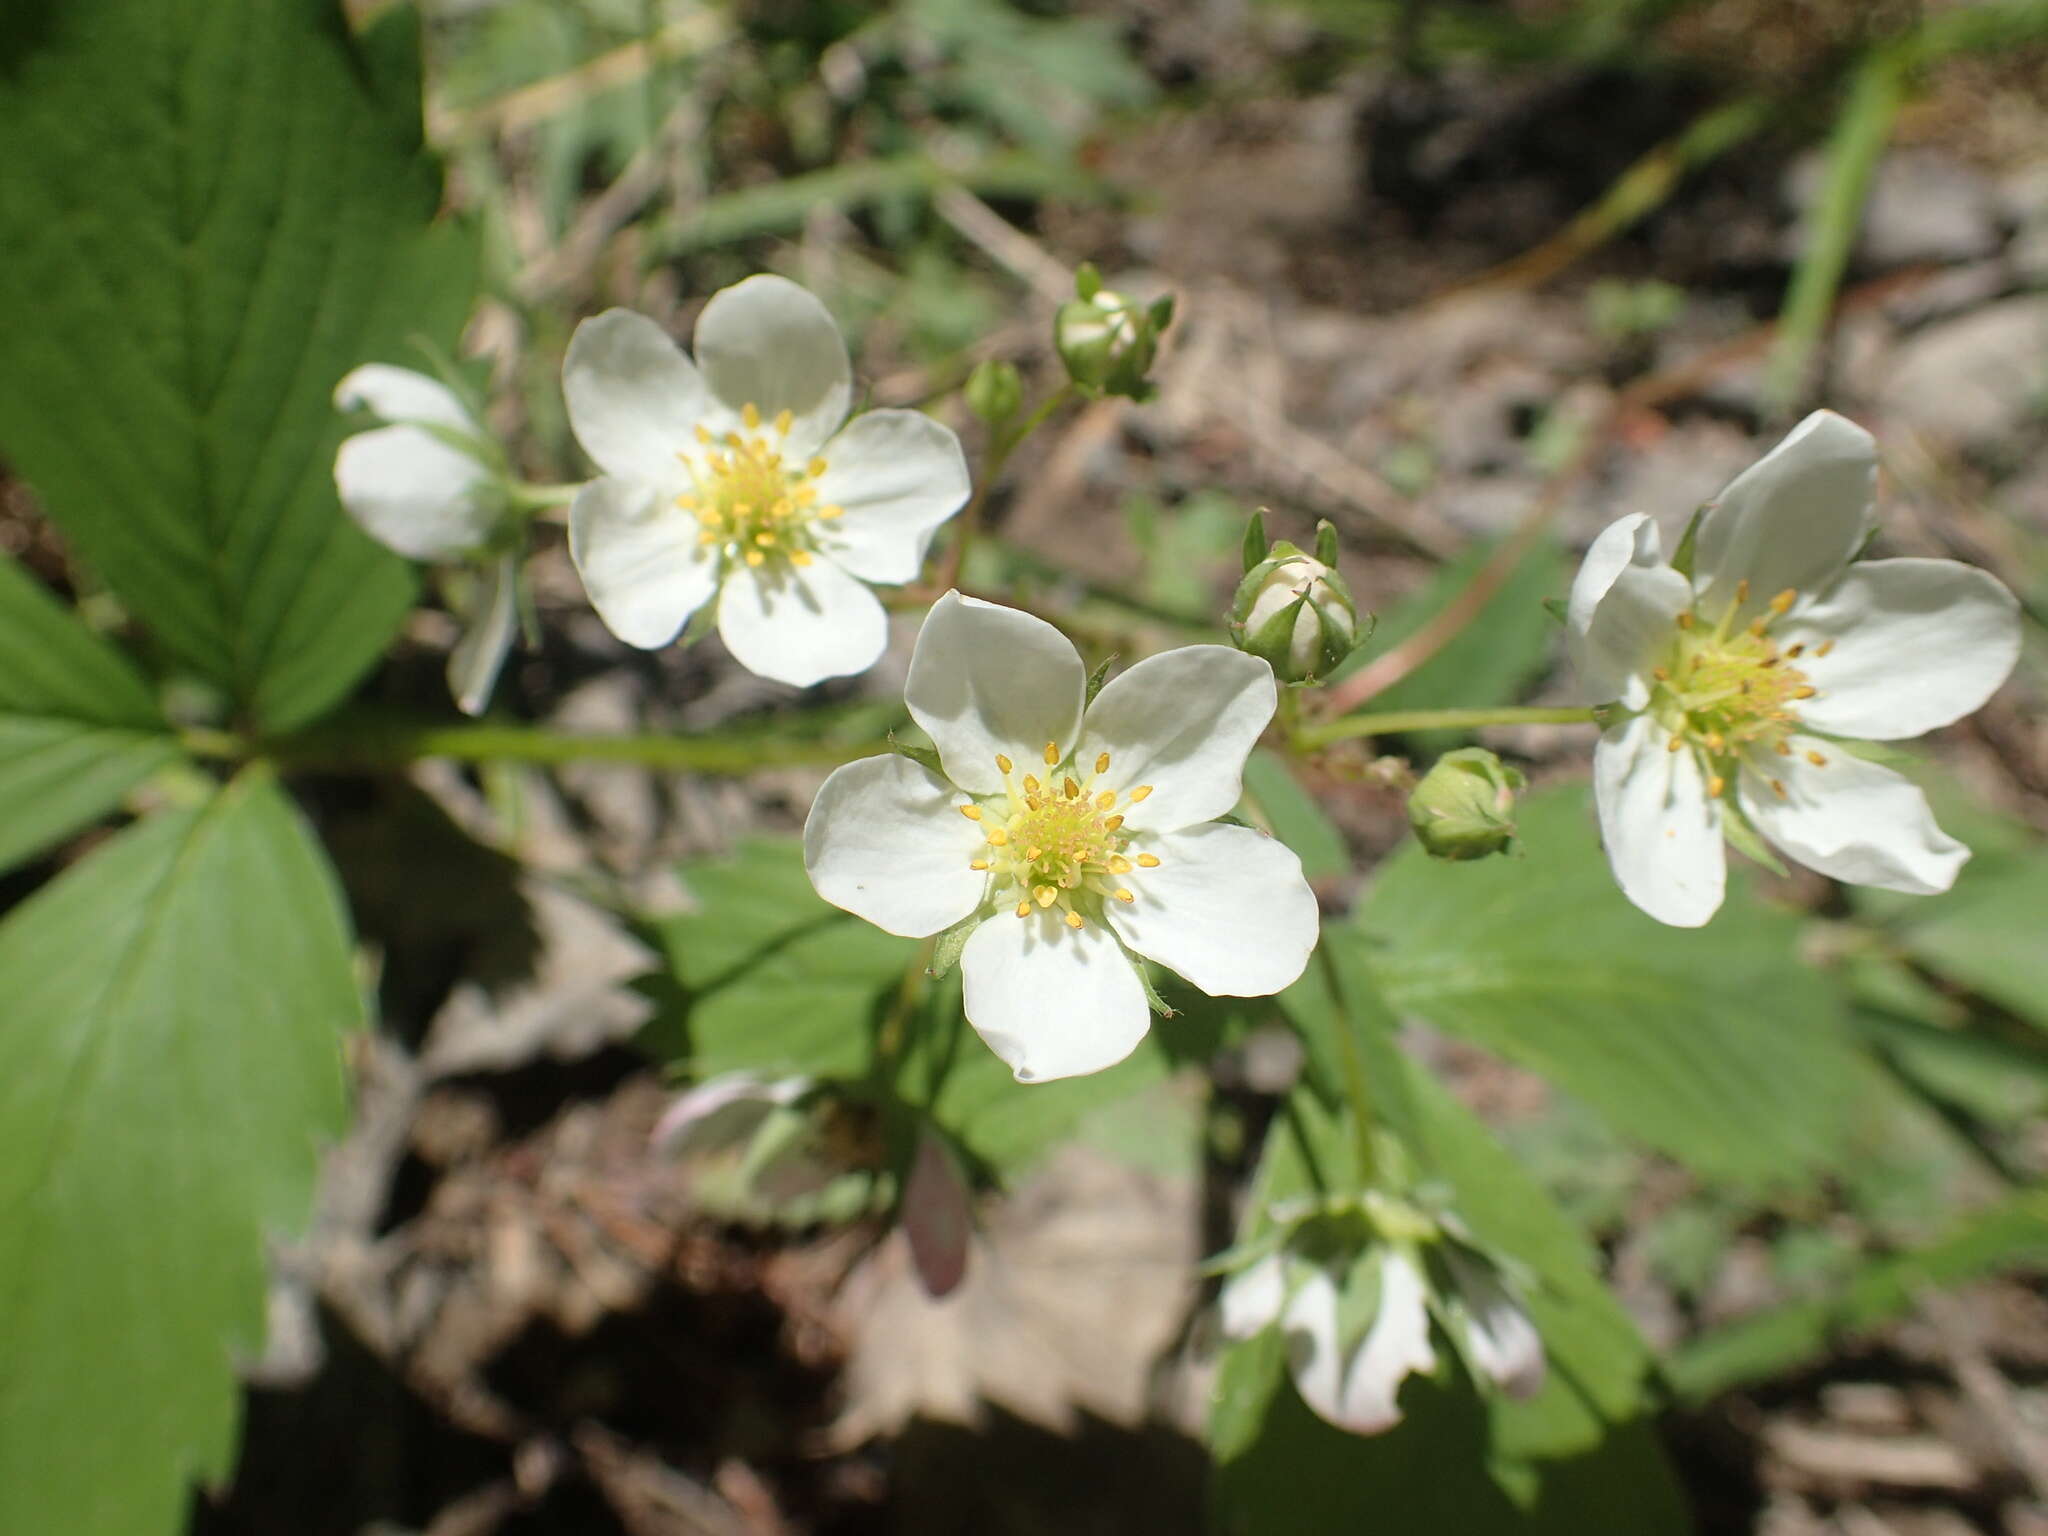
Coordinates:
[1736,682]
[1080,831]
[1358,1325]
[778,1150]
[724,479]
[426,485]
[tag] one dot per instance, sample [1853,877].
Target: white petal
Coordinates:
[634,399]
[885,840]
[1252,1299]
[1227,908]
[1917,644]
[1312,1358]
[1498,1334]
[897,475]
[766,342]
[1661,828]
[1623,607]
[1050,1000]
[801,626]
[1851,820]
[1792,519]
[1396,1344]
[986,679]
[493,625]
[640,561]
[1183,722]
[721,1111]
[413,493]
[400,394]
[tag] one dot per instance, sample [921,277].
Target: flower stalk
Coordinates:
[1311,738]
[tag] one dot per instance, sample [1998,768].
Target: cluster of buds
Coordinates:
[1107,340]
[1292,608]
[1363,1286]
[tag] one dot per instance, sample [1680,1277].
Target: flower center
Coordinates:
[1731,691]
[751,505]
[1059,843]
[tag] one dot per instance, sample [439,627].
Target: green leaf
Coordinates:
[1716,1045]
[1492,659]
[1986,933]
[216,208]
[2009,1235]
[78,727]
[1578,1459]
[171,1060]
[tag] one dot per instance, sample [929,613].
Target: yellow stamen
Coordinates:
[1124,895]
[1105,800]
[998,838]
[755,557]
[1052,754]
[977,863]
[1073,920]
[1023,909]
[750,413]
[815,468]
[1046,895]
[1716,787]
[1073,790]
[1784,600]
[1816,759]
[1112,824]
[1673,744]
[1794,652]
[799,557]
[1033,854]
[1102,763]
[1824,647]
[1031,785]
[1120,865]
[1685,620]
[1140,793]
[971,812]
[784,420]
[1804,691]
[1003,764]
[1742,590]
[1149,860]
[1779,786]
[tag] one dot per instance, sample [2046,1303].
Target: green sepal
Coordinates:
[1558,609]
[1255,540]
[1681,558]
[1744,838]
[1161,313]
[1152,998]
[1244,1255]
[1326,542]
[1087,281]
[947,947]
[1097,678]
[926,758]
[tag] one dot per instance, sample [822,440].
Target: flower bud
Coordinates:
[1463,808]
[995,391]
[1108,341]
[1294,610]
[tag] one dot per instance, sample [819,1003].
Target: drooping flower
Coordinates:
[1736,680]
[731,479]
[430,485]
[761,1149]
[1356,1307]
[1073,831]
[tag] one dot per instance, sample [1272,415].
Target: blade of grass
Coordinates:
[1860,135]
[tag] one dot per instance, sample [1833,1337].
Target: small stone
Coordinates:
[1973,380]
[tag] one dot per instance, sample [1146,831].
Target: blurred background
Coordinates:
[1467,279]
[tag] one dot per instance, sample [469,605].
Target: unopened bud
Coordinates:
[1294,610]
[995,391]
[1108,341]
[1464,806]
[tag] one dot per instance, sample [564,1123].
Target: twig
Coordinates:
[1005,244]
[1986,1389]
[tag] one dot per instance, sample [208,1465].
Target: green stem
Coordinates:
[1357,1088]
[1003,441]
[528,497]
[1391,721]
[363,745]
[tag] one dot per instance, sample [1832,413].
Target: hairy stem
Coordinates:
[1387,722]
